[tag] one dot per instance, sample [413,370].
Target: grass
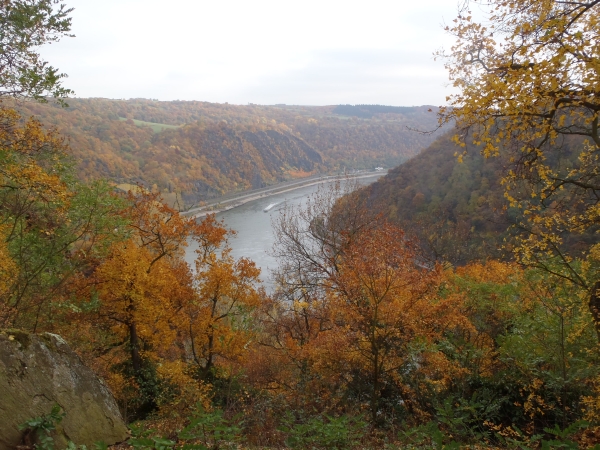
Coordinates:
[156,127]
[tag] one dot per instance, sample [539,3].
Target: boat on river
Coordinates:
[268,208]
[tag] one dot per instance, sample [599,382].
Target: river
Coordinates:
[254,232]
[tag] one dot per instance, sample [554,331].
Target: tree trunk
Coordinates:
[594,306]
[375,391]
[134,343]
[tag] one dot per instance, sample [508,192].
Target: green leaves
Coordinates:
[25,25]
[54,226]
[207,430]
[43,426]
[210,430]
[322,431]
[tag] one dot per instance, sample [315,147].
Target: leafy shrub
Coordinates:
[206,431]
[322,432]
[40,428]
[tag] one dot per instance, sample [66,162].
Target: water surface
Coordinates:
[254,232]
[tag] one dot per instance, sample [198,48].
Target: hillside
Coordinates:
[456,210]
[202,150]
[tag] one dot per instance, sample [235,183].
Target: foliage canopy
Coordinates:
[25,25]
[529,78]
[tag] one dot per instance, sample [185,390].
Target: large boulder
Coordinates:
[40,371]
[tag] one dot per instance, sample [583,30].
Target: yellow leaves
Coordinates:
[226,293]
[531,77]
[300,305]
[145,286]
[591,404]
[8,275]
[132,295]
[190,390]
[520,98]
[459,156]
[30,160]
[535,405]
[594,253]
[492,272]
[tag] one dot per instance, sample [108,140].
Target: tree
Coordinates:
[54,226]
[26,25]
[137,320]
[160,330]
[143,283]
[310,240]
[218,320]
[358,313]
[525,350]
[384,306]
[527,78]
[135,302]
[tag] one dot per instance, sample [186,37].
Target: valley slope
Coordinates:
[456,210]
[202,150]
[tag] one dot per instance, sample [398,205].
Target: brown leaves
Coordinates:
[8,275]
[359,307]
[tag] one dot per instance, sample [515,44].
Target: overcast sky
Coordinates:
[309,52]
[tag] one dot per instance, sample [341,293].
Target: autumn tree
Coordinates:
[138,291]
[158,326]
[384,306]
[54,226]
[218,320]
[309,245]
[527,76]
[310,240]
[136,322]
[357,307]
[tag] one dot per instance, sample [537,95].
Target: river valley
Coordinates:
[253,225]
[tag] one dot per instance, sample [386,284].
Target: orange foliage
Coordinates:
[153,313]
[8,274]
[361,316]
[299,173]
[226,293]
[381,304]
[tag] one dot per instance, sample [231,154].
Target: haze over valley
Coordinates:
[299,225]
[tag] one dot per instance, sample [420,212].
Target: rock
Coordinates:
[39,371]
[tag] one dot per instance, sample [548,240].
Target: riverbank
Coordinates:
[228,202]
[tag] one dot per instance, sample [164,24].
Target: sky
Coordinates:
[309,52]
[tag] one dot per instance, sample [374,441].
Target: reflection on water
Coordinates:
[254,238]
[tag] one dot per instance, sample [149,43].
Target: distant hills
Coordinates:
[201,150]
[370,111]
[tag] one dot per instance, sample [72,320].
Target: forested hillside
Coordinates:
[452,200]
[202,150]
[456,209]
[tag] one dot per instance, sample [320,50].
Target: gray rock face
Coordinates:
[39,371]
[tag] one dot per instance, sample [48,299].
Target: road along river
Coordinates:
[255,238]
